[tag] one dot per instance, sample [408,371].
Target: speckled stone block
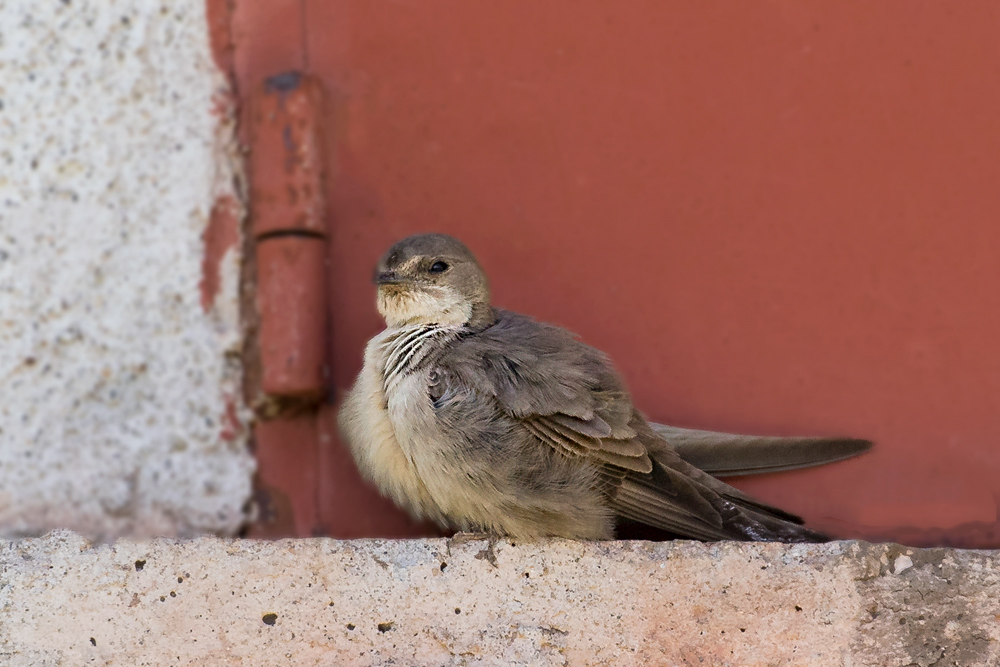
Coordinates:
[469,602]
[121,409]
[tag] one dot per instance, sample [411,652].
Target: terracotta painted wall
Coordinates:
[776,217]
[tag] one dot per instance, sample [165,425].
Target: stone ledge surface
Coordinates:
[212,601]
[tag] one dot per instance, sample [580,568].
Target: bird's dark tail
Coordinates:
[726,454]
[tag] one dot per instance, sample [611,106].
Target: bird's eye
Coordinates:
[438,267]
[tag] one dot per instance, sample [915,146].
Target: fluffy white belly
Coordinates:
[430,453]
[389,421]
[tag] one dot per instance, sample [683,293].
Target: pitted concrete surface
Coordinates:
[465,602]
[121,409]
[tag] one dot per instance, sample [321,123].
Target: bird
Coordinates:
[483,420]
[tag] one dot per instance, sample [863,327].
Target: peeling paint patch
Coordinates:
[221,235]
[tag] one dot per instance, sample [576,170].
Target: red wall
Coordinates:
[776,217]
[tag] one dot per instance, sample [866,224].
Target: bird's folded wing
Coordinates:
[568,395]
[562,391]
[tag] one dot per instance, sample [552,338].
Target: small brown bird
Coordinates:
[484,420]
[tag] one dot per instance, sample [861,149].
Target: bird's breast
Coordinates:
[408,355]
[408,351]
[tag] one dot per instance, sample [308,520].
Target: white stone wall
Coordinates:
[115,141]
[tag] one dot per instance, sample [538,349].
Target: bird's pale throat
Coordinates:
[406,304]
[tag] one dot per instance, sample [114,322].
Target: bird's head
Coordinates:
[432,279]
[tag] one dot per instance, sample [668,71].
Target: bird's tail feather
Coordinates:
[727,454]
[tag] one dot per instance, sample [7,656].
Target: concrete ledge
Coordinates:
[447,602]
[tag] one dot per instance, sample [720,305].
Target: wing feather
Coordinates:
[568,397]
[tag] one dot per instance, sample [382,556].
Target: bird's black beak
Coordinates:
[387,278]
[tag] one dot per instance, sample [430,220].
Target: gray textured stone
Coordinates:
[454,602]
